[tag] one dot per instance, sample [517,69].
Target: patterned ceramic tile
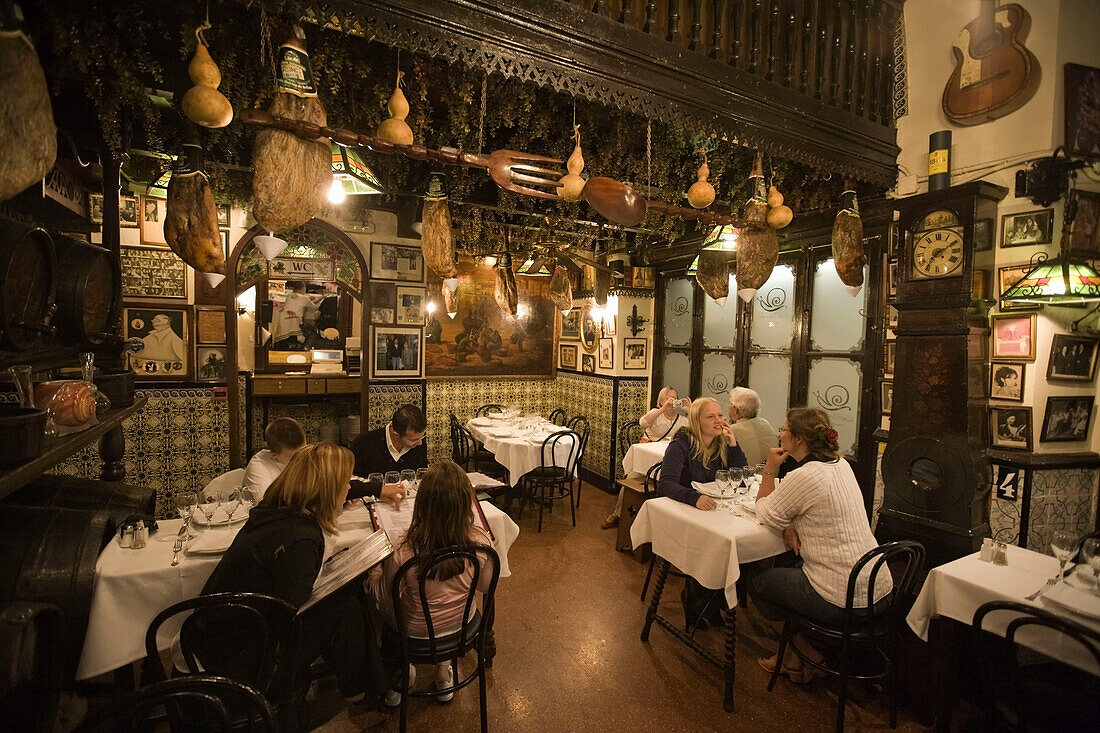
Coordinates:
[385,397]
[631,403]
[464,396]
[591,396]
[1060,499]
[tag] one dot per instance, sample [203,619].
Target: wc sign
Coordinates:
[1007,481]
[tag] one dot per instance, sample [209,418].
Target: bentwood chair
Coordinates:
[250,638]
[553,479]
[558,417]
[872,637]
[471,455]
[191,703]
[580,426]
[489,408]
[630,434]
[445,645]
[649,491]
[1026,690]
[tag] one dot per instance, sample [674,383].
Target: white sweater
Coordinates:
[823,503]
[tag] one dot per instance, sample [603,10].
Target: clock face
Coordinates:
[937,253]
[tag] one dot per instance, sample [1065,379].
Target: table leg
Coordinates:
[655,600]
[112,449]
[729,668]
[490,636]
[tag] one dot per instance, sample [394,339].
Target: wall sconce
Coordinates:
[269,245]
[213,279]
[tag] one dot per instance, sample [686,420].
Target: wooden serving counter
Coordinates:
[276,385]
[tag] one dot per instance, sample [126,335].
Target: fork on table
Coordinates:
[1048,585]
[176,551]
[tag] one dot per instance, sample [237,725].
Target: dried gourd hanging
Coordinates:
[28,135]
[848,242]
[779,215]
[572,184]
[701,193]
[203,103]
[757,243]
[394,128]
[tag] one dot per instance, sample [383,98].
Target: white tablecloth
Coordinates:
[513,451]
[640,457]
[957,589]
[709,545]
[133,586]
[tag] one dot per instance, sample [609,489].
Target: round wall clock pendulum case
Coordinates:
[935,472]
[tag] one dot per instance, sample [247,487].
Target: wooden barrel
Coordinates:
[30,655]
[48,555]
[28,279]
[89,289]
[119,500]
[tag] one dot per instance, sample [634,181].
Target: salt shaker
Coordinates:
[987,550]
[1000,554]
[126,538]
[141,536]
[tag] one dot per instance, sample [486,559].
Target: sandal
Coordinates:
[803,675]
[611,521]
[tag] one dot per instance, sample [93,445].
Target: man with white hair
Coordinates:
[754,434]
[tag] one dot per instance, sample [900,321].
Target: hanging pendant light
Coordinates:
[269,245]
[1058,281]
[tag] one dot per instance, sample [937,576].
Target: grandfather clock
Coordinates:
[935,469]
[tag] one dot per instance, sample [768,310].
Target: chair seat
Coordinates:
[448,646]
[549,474]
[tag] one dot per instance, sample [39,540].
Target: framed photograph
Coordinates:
[1006,381]
[567,356]
[635,353]
[152,272]
[397,352]
[891,279]
[128,211]
[95,207]
[165,334]
[891,353]
[588,363]
[1010,427]
[1084,230]
[225,242]
[396,262]
[886,388]
[1067,419]
[607,353]
[571,324]
[1006,278]
[1014,337]
[1072,358]
[979,285]
[609,325]
[410,306]
[1082,110]
[1028,227]
[211,364]
[153,212]
[983,234]
[891,316]
[209,326]
[590,329]
[383,303]
[224,213]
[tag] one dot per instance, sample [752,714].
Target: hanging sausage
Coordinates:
[292,176]
[757,243]
[848,242]
[507,296]
[713,274]
[191,221]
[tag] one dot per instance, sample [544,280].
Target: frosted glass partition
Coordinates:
[842,328]
[718,377]
[678,299]
[720,321]
[773,310]
[834,386]
[677,374]
[770,376]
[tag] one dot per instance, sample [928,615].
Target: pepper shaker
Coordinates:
[126,538]
[1000,554]
[141,536]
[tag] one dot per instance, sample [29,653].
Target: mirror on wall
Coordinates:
[303,316]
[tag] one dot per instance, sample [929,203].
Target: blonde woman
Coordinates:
[665,419]
[279,551]
[696,453]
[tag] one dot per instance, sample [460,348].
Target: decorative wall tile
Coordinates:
[632,401]
[593,397]
[383,398]
[1060,499]
[464,396]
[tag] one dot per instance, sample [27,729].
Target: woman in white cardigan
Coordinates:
[819,508]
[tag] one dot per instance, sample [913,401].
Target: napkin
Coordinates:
[481,421]
[211,542]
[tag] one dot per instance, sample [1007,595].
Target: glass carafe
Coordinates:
[102,401]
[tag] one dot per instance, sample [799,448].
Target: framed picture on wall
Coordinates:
[383,303]
[165,334]
[1010,427]
[210,363]
[95,207]
[1082,110]
[410,306]
[635,353]
[1028,227]
[1006,278]
[397,352]
[588,363]
[128,212]
[224,219]
[891,353]
[1072,358]
[567,356]
[153,212]
[152,272]
[571,324]
[209,326]
[1006,381]
[1084,230]
[886,388]
[1014,337]
[1067,419]
[607,353]
[396,262]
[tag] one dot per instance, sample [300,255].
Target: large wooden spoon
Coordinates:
[615,201]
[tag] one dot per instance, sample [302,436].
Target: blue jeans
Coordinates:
[777,591]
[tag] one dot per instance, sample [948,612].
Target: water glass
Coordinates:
[736,476]
[408,479]
[722,479]
[1064,546]
[1090,553]
[186,503]
[375,480]
[248,499]
[231,502]
[420,476]
[392,477]
[211,502]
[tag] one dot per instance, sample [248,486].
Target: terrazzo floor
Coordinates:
[570,659]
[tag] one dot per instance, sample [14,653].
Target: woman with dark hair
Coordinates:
[819,508]
[442,517]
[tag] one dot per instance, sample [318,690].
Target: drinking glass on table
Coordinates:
[211,501]
[232,502]
[722,480]
[1090,553]
[420,476]
[186,503]
[375,481]
[736,477]
[408,478]
[392,477]
[1064,546]
[248,499]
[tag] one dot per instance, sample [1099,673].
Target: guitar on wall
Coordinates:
[994,74]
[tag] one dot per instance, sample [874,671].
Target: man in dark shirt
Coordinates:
[395,447]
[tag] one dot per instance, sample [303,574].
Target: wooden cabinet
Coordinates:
[278,385]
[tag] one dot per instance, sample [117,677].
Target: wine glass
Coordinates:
[722,479]
[408,479]
[392,477]
[211,501]
[736,476]
[231,502]
[420,476]
[1064,546]
[248,499]
[186,503]
[1090,553]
